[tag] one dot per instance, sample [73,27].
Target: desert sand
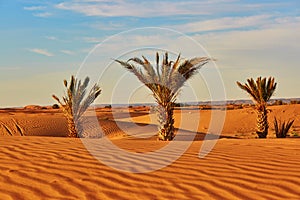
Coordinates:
[48,165]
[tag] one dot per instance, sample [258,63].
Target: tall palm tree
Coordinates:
[164,81]
[76,102]
[260,91]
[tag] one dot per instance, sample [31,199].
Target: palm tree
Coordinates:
[164,81]
[282,128]
[260,91]
[75,103]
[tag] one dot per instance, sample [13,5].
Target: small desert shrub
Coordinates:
[230,107]
[240,106]
[178,105]
[278,102]
[55,106]
[294,102]
[296,134]
[281,129]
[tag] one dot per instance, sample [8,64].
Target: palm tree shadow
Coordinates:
[145,131]
[186,135]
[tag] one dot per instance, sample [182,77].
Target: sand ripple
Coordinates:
[61,168]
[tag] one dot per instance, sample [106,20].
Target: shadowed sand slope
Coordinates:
[28,122]
[61,168]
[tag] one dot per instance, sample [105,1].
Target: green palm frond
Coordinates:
[260,90]
[168,77]
[282,128]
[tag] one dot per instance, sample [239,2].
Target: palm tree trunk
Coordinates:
[262,122]
[166,122]
[71,128]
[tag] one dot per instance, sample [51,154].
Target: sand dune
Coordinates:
[61,168]
[239,123]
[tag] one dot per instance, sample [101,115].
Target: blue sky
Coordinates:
[44,42]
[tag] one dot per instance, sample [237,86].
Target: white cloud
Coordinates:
[68,52]
[31,8]
[132,8]
[51,37]
[43,14]
[108,26]
[156,8]
[41,51]
[38,11]
[92,39]
[279,33]
[225,23]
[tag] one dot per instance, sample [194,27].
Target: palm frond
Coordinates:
[260,90]
[271,87]
[168,77]
[175,64]
[76,102]
[157,67]
[281,129]
[189,67]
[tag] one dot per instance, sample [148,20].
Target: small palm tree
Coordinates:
[75,103]
[164,81]
[261,91]
[282,128]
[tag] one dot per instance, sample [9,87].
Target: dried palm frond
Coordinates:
[76,102]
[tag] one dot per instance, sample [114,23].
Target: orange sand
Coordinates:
[61,168]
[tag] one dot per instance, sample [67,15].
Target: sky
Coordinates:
[44,42]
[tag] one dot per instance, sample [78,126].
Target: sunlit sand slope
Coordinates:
[61,168]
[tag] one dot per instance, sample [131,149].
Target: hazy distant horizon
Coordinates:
[236,101]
